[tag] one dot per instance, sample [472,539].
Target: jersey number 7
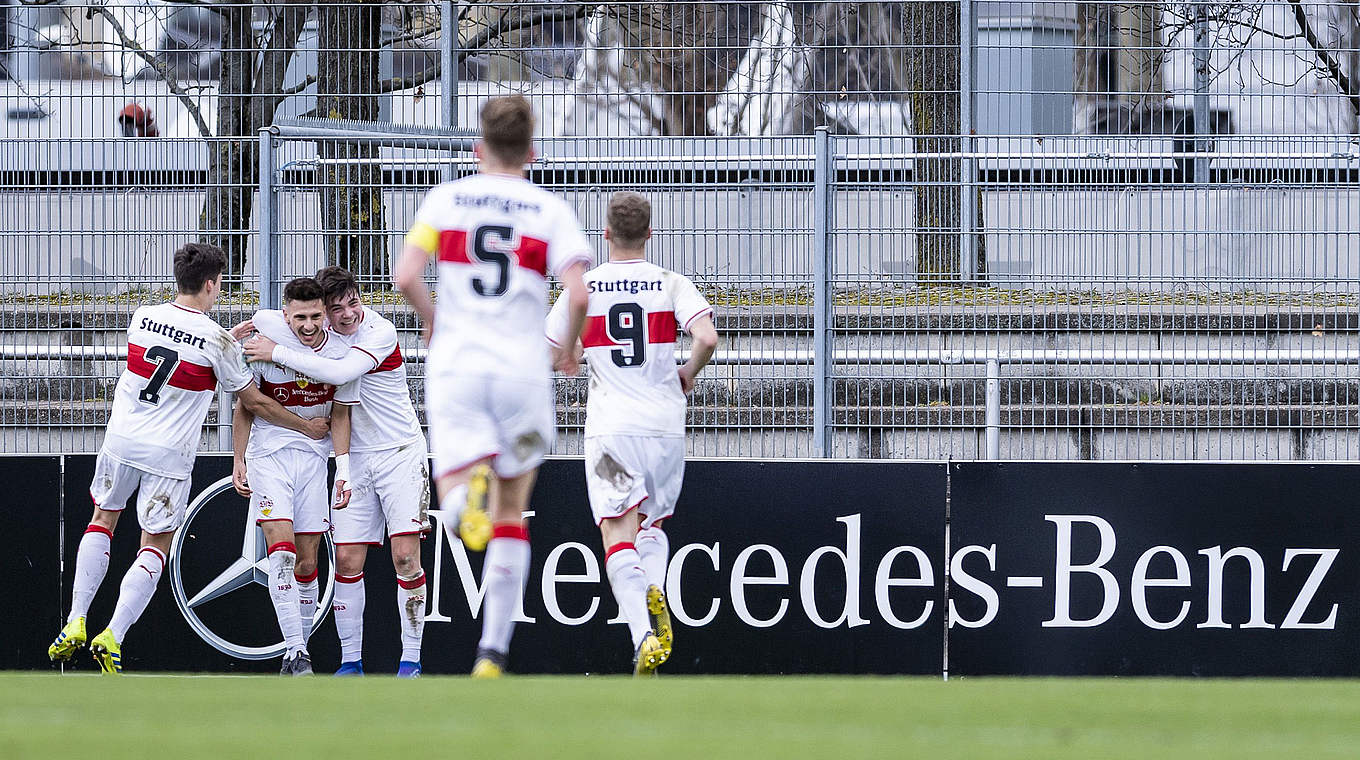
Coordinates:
[166,360]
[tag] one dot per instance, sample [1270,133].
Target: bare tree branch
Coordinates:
[159,66]
[1324,56]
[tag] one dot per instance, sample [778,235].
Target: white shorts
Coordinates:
[160,500]
[627,471]
[472,418]
[391,496]
[290,484]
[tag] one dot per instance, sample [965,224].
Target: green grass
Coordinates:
[46,715]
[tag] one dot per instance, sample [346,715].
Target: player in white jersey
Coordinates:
[177,357]
[284,473]
[488,383]
[635,415]
[388,459]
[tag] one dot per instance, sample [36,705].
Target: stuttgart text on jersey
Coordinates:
[497,202]
[631,287]
[175,334]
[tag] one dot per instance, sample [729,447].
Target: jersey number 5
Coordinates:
[627,322]
[493,244]
[166,360]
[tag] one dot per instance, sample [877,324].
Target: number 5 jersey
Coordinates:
[629,338]
[176,358]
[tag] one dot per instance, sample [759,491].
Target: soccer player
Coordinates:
[284,473]
[635,416]
[488,388]
[388,460]
[177,356]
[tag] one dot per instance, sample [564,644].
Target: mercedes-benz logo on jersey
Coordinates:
[281,395]
[239,572]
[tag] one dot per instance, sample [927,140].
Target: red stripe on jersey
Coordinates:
[661,327]
[188,376]
[392,361]
[532,253]
[297,393]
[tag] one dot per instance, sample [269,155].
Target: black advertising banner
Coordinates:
[1154,569]
[777,567]
[30,513]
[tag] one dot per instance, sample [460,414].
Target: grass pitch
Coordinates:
[51,716]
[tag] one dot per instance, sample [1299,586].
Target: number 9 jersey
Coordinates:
[629,338]
[176,358]
[496,238]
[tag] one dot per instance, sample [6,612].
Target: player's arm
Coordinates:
[702,347]
[337,372]
[410,277]
[241,420]
[340,434]
[565,358]
[272,411]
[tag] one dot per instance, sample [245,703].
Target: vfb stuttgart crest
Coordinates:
[211,570]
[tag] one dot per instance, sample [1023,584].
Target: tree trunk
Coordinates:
[347,87]
[233,166]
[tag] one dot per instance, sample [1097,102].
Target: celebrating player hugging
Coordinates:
[284,473]
[176,357]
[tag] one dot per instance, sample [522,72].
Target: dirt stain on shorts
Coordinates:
[609,469]
[160,502]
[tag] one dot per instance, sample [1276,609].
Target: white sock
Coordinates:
[348,606]
[655,550]
[283,592]
[138,586]
[308,591]
[624,568]
[411,614]
[92,563]
[504,575]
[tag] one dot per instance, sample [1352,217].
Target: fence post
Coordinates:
[1201,100]
[822,309]
[993,409]
[448,72]
[968,255]
[266,250]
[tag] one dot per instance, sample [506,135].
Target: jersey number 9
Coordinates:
[628,323]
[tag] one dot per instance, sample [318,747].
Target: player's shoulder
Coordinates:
[271,324]
[376,327]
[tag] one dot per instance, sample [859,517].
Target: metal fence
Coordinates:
[1024,230]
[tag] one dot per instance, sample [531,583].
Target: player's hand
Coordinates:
[316,428]
[566,362]
[260,349]
[340,499]
[242,330]
[686,381]
[238,478]
[427,332]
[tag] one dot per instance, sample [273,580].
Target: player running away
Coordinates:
[496,236]
[388,460]
[177,356]
[284,473]
[635,416]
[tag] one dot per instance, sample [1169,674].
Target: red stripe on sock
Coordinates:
[415,583]
[307,578]
[348,578]
[154,551]
[282,546]
[510,530]
[621,546]
[99,529]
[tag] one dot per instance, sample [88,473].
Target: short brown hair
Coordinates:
[302,289]
[195,264]
[508,128]
[336,282]
[629,219]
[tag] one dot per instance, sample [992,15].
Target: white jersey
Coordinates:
[176,358]
[384,418]
[629,340]
[298,393]
[496,239]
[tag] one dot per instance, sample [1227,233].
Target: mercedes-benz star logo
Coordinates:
[251,567]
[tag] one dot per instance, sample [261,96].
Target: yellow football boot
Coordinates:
[71,638]
[107,653]
[660,615]
[474,525]
[649,656]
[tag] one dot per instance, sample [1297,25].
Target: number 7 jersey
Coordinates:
[176,358]
[629,338]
